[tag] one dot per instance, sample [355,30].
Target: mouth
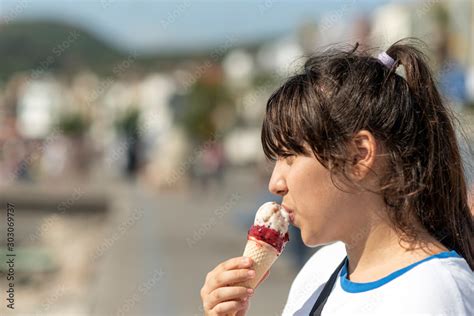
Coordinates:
[290,212]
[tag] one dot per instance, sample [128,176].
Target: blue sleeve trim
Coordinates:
[353,287]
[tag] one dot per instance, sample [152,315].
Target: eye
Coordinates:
[289,158]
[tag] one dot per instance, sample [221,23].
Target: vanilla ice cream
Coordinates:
[273,216]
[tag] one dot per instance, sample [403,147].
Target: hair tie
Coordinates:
[386,60]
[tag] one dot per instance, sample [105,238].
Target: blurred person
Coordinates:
[12,151]
[128,127]
[54,159]
[216,159]
[367,161]
[30,149]
[210,165]
[15,159]
[133,155]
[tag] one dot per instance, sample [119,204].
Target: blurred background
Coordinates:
[130,137]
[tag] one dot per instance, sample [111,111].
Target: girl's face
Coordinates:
[316,205]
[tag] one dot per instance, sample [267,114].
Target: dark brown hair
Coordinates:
[339,93]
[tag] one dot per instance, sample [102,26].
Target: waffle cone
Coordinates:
[263,255]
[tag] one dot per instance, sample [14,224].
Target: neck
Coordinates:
[376,249]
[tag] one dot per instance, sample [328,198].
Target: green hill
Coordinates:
[55,47]
[46,46]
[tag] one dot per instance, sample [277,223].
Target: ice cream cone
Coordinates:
[263,256]
[266,240]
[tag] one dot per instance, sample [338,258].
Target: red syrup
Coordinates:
[269,235]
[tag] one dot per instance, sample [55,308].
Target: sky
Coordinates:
[148,25]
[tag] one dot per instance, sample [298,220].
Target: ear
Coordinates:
[364,148]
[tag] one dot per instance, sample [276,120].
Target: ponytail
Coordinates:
[442,206]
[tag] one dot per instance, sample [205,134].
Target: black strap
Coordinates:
[323,297]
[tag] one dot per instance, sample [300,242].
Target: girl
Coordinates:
[366,154]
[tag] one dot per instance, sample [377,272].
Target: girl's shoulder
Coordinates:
[445,284]
[449,275]
[450,270]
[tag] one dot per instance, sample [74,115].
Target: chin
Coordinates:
[310,241]
[315,240]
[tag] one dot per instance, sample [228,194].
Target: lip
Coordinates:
[290,212]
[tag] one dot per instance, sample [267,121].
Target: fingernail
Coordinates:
[246,261]
[250,291]
[251,273]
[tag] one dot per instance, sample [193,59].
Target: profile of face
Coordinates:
[322,208]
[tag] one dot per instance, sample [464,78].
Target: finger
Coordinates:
[263,278]
[235,263]
[224,294]
[229,307]
[243,310]
[231,277]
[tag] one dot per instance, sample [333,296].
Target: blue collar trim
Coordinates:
[353,287]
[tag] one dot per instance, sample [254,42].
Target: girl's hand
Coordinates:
[220,295]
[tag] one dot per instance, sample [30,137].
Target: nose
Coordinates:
[277,184]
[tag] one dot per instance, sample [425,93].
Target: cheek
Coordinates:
[317,202]
[312,190]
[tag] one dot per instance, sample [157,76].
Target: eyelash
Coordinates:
[288,157]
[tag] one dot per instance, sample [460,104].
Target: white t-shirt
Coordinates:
[442,284]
